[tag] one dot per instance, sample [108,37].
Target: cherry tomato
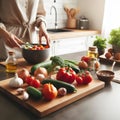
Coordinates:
[87,77]
[66,74]
[29,79]
[35,83]
[86,59]
[37,47]
[79,80]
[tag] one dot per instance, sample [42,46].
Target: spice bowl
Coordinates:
[105,75]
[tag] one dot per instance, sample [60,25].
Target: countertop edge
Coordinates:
[72,34]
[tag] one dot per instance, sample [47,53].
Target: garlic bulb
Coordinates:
[16,82]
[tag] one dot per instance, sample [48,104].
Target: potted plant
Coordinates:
[114,39]
[100,43]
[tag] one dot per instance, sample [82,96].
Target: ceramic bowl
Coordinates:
[105,75]
[35,56]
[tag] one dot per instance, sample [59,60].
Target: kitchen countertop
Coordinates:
[101,105]
[72,34]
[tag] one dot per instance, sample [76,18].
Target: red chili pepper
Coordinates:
[66,74]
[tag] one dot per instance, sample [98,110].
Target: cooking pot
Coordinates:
[83,23]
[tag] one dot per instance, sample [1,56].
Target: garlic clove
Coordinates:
[25,95]
[20,90]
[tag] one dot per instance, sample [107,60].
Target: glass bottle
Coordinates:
[93,52]
[11,62]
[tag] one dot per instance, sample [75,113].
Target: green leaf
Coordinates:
[100,42]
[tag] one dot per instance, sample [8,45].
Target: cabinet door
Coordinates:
[90,40]
[70,45]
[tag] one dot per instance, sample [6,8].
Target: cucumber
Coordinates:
[73,65]
[58,84]
[45,64]
[71,61]
[34,93]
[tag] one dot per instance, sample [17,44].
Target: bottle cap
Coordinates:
[92,48]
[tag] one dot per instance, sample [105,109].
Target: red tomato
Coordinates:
[87,77]
[38,48]
[49,91]
[35,83]
[79,80]
[86,59]
[29,79]
[66,74]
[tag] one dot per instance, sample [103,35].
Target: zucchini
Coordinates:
[34,92]
[45,64]
[73,65]
[58,84]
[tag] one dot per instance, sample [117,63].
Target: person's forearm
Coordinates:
[42,25]
[3,33]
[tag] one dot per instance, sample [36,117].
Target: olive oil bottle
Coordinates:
[11,62]
[93,52]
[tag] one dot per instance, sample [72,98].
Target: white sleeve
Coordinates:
[2,26]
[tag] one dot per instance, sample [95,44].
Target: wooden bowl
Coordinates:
[105,75]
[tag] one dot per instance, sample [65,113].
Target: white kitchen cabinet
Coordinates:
[71,45]
[90,40]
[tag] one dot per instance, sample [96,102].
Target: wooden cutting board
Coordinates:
[42,108]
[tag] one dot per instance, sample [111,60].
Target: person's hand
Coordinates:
[10,39]
[43,33]
[13,41]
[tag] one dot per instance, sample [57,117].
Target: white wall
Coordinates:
[60,10]
[94,11]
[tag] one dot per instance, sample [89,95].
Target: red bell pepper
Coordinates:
[66,74]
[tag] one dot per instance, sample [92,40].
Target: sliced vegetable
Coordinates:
[58,84]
